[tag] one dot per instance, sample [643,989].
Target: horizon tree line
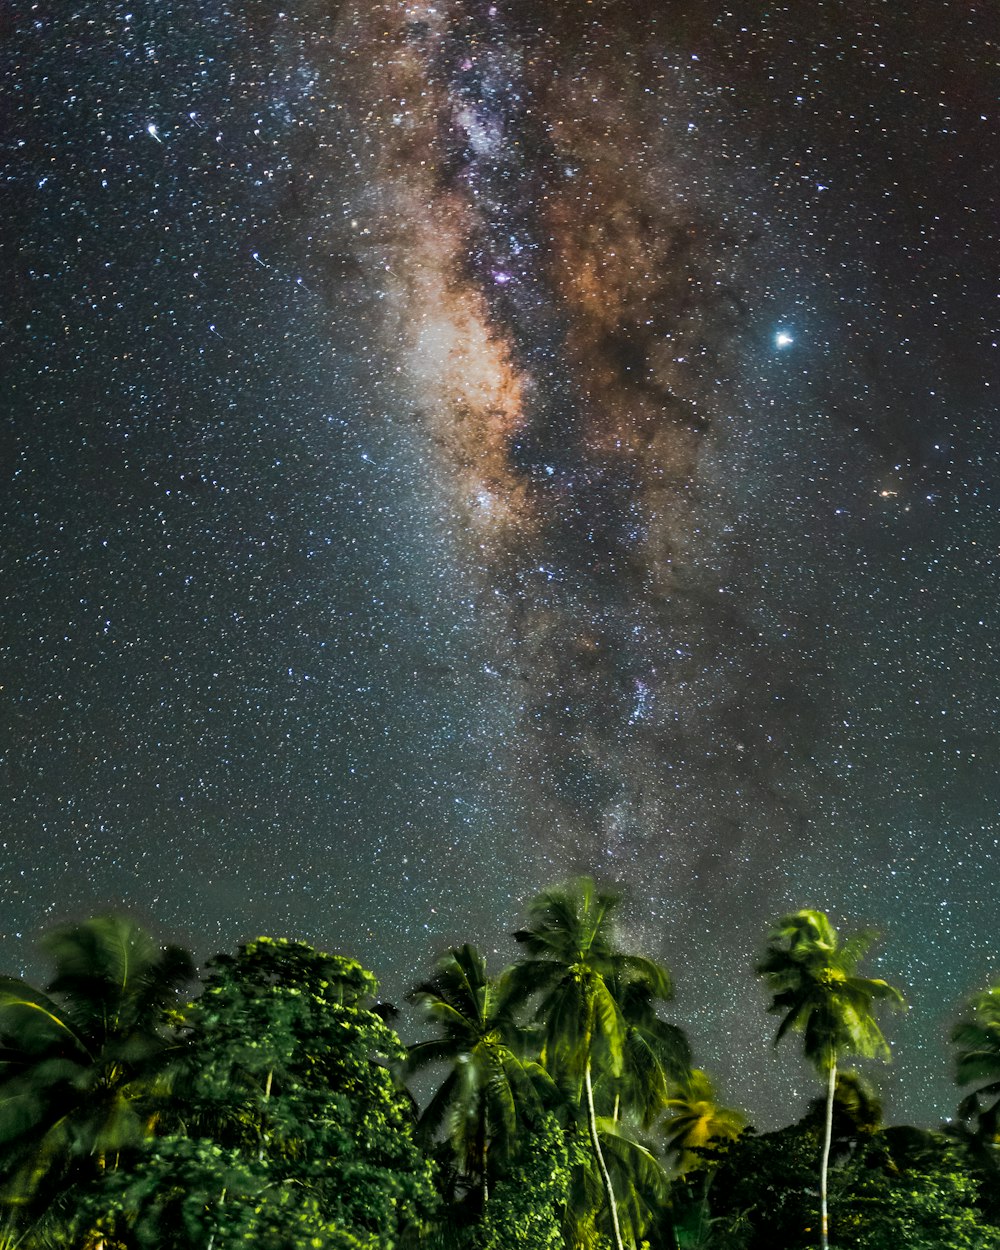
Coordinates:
[559,1104]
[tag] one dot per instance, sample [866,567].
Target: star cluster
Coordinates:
[451,445]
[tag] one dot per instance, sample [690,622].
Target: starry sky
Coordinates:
[450,446]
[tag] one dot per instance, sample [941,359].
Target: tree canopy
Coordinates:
[553,1103]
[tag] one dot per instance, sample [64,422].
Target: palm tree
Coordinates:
[78,1061]
[977,1062]
[490,1082]
[695,1119]
[814,983]
[656,1055]
[571,970]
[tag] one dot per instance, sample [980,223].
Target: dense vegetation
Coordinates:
[553,1104]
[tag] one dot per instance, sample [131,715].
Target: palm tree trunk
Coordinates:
[483,1146]
[211,1238]
[263,1115]
[825,1164]
[595,1141]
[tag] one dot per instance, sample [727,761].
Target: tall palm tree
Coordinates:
[815,987]
[491,1083]
[977,1062]
[695,1119]
[570,970]
[78,1061]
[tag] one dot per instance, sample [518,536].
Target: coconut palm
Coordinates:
[656,1055]
[490,1084]
[695,1119]
[977,1062]
[815,987]
[78,1061]
[570,971]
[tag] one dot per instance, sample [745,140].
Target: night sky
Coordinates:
[450,446]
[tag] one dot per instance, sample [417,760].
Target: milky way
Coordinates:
[456,445]
[565,321]
[667,436]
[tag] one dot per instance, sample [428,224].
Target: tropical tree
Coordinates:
[695,1119]
[81,1061]
[656,1055]
[491,1083]
[181,1192]
[900,1189]
[977,1062]
[816,989]
[529,1200]
[569,971]
[287,1065]
[285,1128]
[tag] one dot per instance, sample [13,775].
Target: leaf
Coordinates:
[34,1019]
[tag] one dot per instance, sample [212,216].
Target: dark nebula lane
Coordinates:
[683,437]
[566,315]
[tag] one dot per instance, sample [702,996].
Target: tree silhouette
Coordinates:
[490,1082]
[695,1119]
[817,991]
[977,1062]
[82,1062]
[570,970]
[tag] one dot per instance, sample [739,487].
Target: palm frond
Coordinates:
[422,1054]
[433,1115]
[36,1021]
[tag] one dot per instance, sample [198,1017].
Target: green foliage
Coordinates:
[638,1177]
[694,1119]
[656,1056]
[585,1216]
[83,1062]
[284,1128]
[856,1107]
[182,1193]
[977,1062]
[762,1194]
[931,1205]
[884,1196]
[526,1207]
[268,1114]
[570,965]
[528,1204]
[286,1066]
[491,1083]
[596,1008]
[816,989]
